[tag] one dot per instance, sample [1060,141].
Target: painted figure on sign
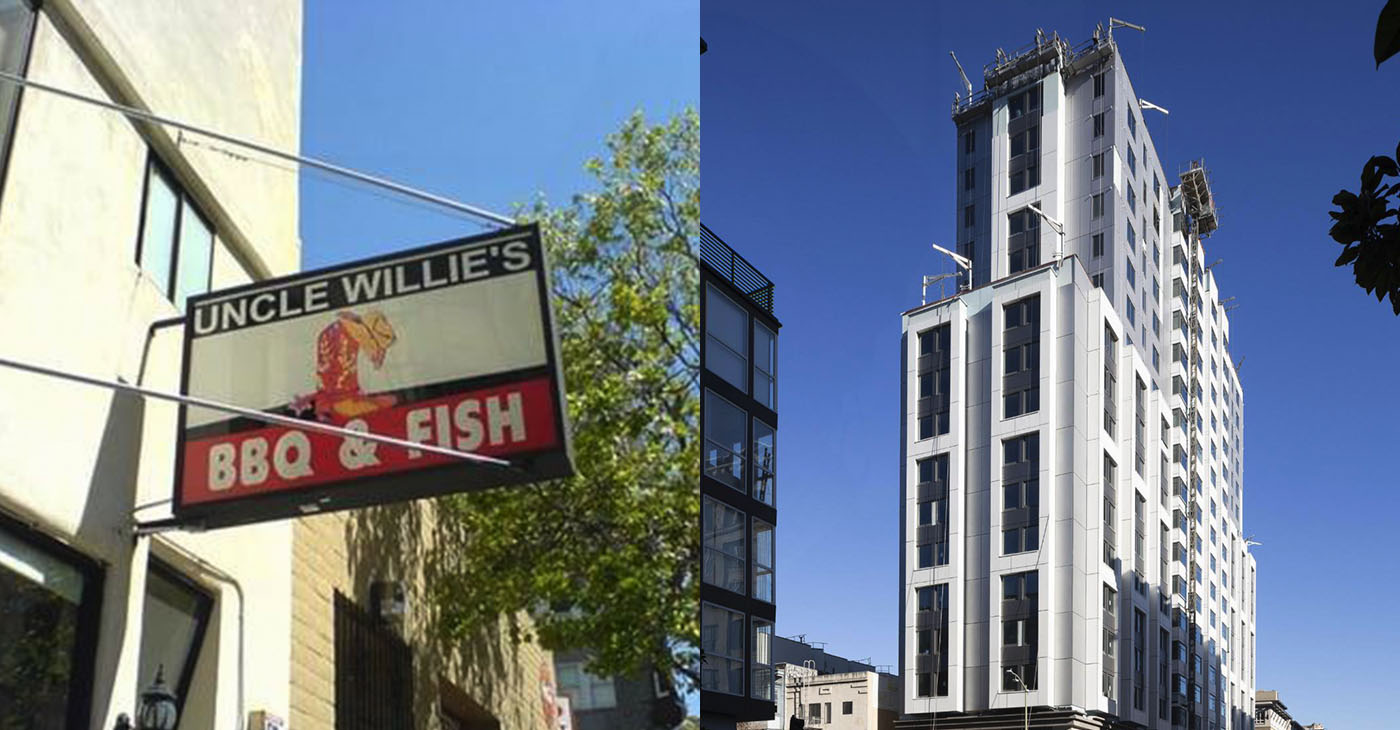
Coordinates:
[338,396]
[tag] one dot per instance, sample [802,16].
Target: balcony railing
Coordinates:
[726,262]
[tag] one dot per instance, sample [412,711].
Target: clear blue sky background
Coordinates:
[829,163]
[485,102]
[489,103]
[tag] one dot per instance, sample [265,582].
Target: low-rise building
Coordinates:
[860,700]
[1271,714]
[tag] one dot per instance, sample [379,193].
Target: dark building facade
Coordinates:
[739,422]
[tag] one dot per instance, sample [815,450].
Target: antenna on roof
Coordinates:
[962,73]
[1116,23]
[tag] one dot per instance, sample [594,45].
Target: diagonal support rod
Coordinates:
[259,415]
[134,113]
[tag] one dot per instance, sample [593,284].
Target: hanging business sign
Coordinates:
[450,346]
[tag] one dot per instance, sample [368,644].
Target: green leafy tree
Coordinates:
[1367,228]
[606,560]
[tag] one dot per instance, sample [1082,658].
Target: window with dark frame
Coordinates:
[176,247]
[1097,247]
[53,601]
[1020,601]
[1096,166]
[1023,240]
[1100,83]
[969,178]
[726,339]
[174,618]
[1096,205]
[931,660]
[1098,125]
[932,489]
[1020,477]
[17,23]
[1021,355]
[934,373]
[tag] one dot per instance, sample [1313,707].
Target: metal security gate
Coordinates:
[373,672]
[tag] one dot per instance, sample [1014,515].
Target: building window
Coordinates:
[765,366]
[51,598]
[177,242]
[847,708]
[373,672]
[1110,503]
[1100,82]
[1024,164]
[723,528]
[763,561]
[1097,165]
[1020,603]
[932,534]
[1098,280]
[1132,162]
[1026,102]
[17,20]
[1132,274]
[765,462]
[969,178]
[1097,239]
[932,661]
[173,620]
[726,339]
[969,215]
[1096,205]
[1098,124]
[761,683]
[970,142]
[1110,640]
[1023,241]
[1021,350]
[585,691]
[1020,476]
[934,373]
[724,441]
[721,650]
[1110,381]
[1132,124]
[1132,203]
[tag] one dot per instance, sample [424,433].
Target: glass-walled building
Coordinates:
[738,487]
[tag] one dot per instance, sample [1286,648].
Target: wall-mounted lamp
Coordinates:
[158,710]
[387,600]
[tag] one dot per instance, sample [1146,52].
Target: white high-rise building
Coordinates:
[1071,439]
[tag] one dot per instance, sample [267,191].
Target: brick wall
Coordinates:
[348,551]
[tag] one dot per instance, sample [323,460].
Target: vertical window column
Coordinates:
[1020,619]
[1023,240]
[1024,130]
[1020,478]
[1110,382]
[1020,383]
[1110,502]
[1110,640]
[932,533]
[931,663]
[934,370]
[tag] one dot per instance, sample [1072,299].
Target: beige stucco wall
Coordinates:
[74,459]
[348,551]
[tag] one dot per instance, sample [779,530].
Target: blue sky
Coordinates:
[828,162]
[489,103]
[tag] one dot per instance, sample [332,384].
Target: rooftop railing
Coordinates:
[727,262]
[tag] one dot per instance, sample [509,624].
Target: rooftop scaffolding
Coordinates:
[1197,197]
